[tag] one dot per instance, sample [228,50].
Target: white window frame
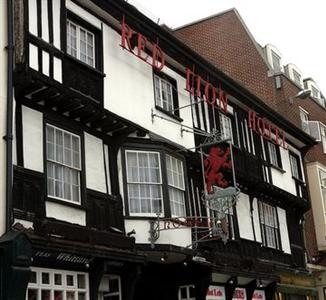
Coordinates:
[78,42]
[154,183]
[277,68]
[273,154]
[304,117]
[269,226]
[158,91]
[295,166]
[315,92]
[102,293]
[187,287]
[323,136]
[52,287]
[70,167]
[176,186]
[226,127]
[296,77]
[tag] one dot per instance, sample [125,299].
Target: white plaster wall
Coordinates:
[14,141]
[244,217]
[284,230]
[255,216]
[65,213]
[3,109]
[57,69]
[56,23]
[45,20]
[284,180]
[177,237]
[107,166]
[33,57]
[95,173]
[73,7]
[32,17]
[32,131]
[129,91]
[45,63]
[317,203]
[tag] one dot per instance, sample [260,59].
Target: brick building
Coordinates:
[226,42]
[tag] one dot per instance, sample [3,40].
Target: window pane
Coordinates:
[70,280]
[45,278]
[70,295]
[45,295]
[32,278]
[57,279]
[58,295]
[81,281]
[31,294]
[114,285]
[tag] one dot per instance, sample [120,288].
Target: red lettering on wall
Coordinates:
[266,129]
[157,60]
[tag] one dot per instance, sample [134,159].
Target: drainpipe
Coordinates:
[9,135]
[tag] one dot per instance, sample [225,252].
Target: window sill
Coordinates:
[143,217]
[298,180]
[171,115]
[66,203]
[278,168]
[85,66]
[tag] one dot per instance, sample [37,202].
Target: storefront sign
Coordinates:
[215,293]
[195,84]
[266,129]
[131,38]
[61,257]
[258,295]
[239,294]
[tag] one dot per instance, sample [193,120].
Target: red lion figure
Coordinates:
[216,159]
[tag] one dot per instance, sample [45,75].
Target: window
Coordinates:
[176,184]
[144,182]
[295,165]
[63,164]
[110,288]
[296,77]
[304,121]
[166,96]
[322,177]
[276,62]
[323,136]
[52,284]
[269,225]
[80,43]
[274,155]
[226,127]
[186,292]
[315,92]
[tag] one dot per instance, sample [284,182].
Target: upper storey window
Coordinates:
[315,92]
[63,164]
[276,59]
[295,166]
[304,117]
[166,96]
[296,77]
[80,43]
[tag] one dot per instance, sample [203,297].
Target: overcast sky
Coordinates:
[296,27]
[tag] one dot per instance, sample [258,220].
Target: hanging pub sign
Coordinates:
[215,292]
[216,163]
[131,38]
[258,295]
[266,129]
[239,294]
